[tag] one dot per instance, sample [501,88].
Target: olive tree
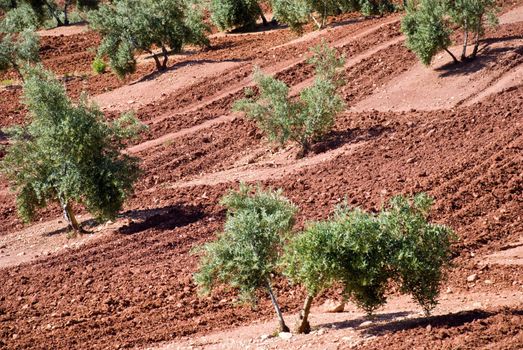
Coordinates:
[421,250]
[306,119]
[227,14]
[68,153]
[129,26]
[245,254]
[17,51]
[363,252]
[428,25]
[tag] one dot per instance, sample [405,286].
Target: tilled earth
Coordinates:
[132,287]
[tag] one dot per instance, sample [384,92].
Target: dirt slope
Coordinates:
[129,284]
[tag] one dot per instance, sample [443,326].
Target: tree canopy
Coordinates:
[304,120]
[130,26]
[68,153]
[17,51]
[227,14]
[246,254]
[429,24]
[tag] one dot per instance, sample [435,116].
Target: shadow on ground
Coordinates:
[166,218]
[486,57]
[338,138]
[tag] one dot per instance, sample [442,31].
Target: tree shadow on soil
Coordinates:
[338,138]
[258,28]
[177,65]
[166,218]
[486,56]
[386,323]
[87,225]
[355,323]
[346,22]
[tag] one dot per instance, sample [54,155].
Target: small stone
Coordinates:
[264,337]
[20,254]
[488,282]
[472,278]
[366,323]
[320,331]
[88,282]
[411,160]
[449,290]
[333,306]
[14,336]
[285,335]
[428,328]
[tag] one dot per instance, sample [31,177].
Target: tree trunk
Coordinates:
[66,18]
[315,21]
[165,57]
[159,66]
[71,219]
[303,325]
[452,55]
[264,20]
[465,42]
[281,321]
[52,9]
[476,41]
[304,150]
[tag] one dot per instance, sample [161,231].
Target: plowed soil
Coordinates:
[128,284]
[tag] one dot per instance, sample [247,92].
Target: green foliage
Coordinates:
[68,153]
[128,26]
[307,119]
[364,251]
[19,19]
[429,24]
[296,13]
[227,14]
[426,29]
[98,65]
[421,250]
[18,51]
[246,253]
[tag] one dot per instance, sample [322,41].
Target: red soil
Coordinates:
[132,286]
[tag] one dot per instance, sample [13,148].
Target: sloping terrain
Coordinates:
[128,284]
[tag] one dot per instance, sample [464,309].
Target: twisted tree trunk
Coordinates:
[303,325]
[71,219]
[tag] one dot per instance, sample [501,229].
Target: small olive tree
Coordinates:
[129,26]
[350,249]
[227,14]
[311,258]
[363,252]
[17,51]
[421,250]
[429,24]
[68,154]
[245,255]
[307,119]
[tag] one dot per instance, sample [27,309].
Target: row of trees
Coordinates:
[23,14]
[360,251]
[131,26]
